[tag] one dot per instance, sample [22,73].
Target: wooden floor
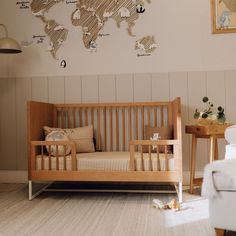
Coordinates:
[98,214]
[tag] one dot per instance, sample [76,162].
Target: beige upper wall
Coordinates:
[181,27]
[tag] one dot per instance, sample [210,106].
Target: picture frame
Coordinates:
[223,13]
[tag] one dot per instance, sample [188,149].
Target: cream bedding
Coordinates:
[107,161]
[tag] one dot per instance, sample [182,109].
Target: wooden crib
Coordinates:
[117,127]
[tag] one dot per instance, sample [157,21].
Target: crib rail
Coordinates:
[114,123]
[114,126]
[39,148]
[139,145]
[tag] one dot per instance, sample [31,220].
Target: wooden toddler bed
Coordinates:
[119,130]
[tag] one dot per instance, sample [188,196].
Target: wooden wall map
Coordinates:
[91,16]
[145,46]
[56,32]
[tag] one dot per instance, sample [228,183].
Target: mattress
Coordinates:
[107,161]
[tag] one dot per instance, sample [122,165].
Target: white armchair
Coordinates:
[219,186]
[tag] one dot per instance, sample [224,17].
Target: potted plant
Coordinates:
[210,115]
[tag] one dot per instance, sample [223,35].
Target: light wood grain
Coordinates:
[40,114]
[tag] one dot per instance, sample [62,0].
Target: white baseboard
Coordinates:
[11,176]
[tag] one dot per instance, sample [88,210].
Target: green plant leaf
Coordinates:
[204,115]
[205,99]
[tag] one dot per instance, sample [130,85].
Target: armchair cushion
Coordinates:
[230,134]
[219,175]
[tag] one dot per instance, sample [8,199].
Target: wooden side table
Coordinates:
[212,132]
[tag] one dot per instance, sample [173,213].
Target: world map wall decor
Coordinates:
[91,16]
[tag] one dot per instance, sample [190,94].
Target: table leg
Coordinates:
[212,148]
[216,150]
[193,162]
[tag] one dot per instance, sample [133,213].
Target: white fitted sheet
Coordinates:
[107,161]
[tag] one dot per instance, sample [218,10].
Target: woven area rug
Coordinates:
[105,214]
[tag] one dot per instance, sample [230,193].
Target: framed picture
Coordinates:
[223,16]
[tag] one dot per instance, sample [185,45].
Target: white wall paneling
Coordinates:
[179,88]
[230,85]
[23,94]
[40,89]
[56,89]
[190,86]
[107,88]
[142,87]
[160,87]
[8,128]
[124,88]
[73,89]
[216,93]
[197,89]
[89,89]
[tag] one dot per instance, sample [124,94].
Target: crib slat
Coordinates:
[130,124]
[80,117]
[117,130]
[73,160]
[42,162]
[105,128]
[57,158]
[162,115]
[142,161]
[149,116]
[69,112]
[99,129]
[74,118]
[64,156]
[166,159]
[111,130]
[92,116]
[155,116]
[50,157]
[142,111]
[132,158]
[86,116]
[66,118]
[123,127]
[158,159]
[150,157]
[63,120]
[137,125]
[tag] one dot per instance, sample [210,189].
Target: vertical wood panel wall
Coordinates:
[190,86]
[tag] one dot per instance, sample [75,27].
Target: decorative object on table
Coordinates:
[210,115]
[223,16]
[9,45]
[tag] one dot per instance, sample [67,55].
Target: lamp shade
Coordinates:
[9,45]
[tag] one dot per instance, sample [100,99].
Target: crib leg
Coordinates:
[180,192]
[34,195]
[30,190]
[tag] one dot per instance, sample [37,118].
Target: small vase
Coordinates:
[206,121]
[221,120]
